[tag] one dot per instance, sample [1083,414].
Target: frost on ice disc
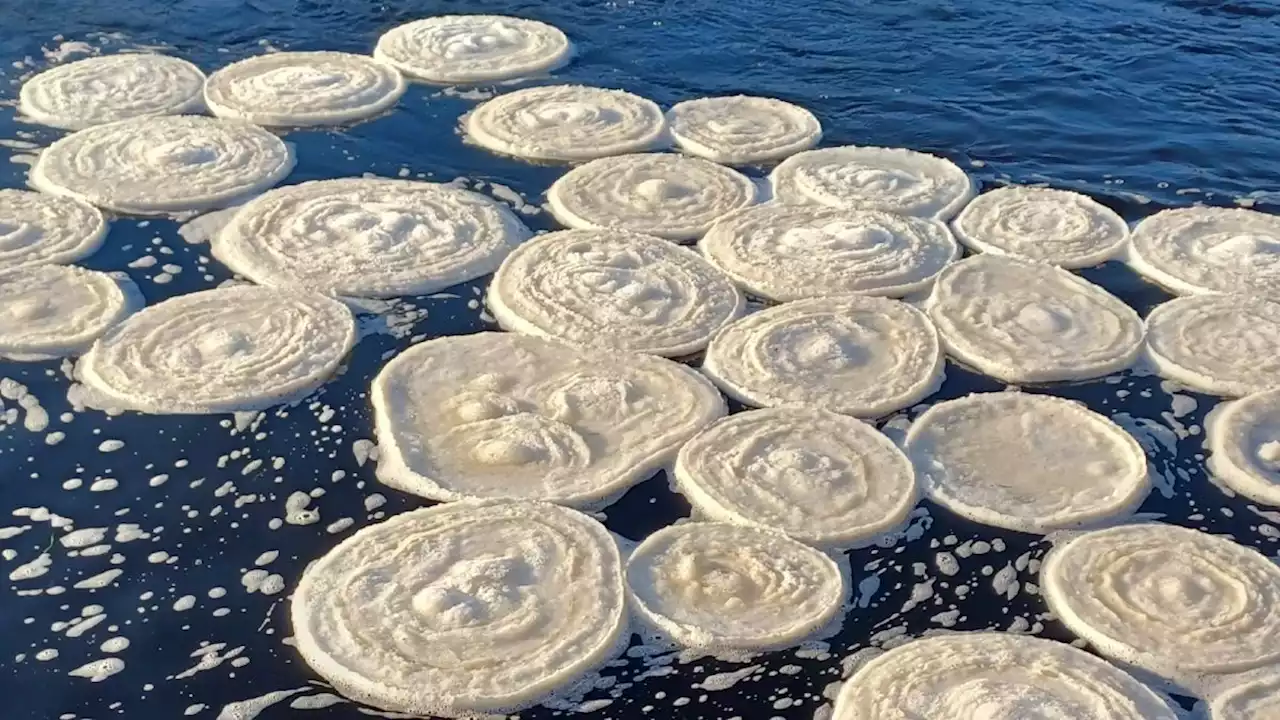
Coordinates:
[994,676]
[1058,227]
[50,311]
[788,252]
[720,586]
[874,178]
[368,237]
[861,356]
[742,130]
[463,609]
[1031,463]
[468,49]
[40,229]
[106,89]
[1176,602]
[1217,344]
[1207,249]
[164,164]
[616,290]
[666,195]
[567,123]
[1257,699]
[822,478]
[225,350]
[1025,322]
[1244,442]
[515,416]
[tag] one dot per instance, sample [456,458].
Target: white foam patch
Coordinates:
[567,123]
[1059,227]
[368,237]
[39,229]
[742,130]
[1217,344]
[509,415]
[1258,699]
[471,49]
[612,289]
[824,479]
[1031,463]
[164,164]
[861,356]
[102,90]
[299,89]
[1207,249]
[788,252]
[1176,602]
[50,311]
[1027,322]
[463,608]
[720,586]
[1244,444]
[995,676]
[874,178]
[226,350]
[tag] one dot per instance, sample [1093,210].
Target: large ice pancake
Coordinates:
[40,229]
[49,311]
[1217,344]
[1207,249]
[742,130]
[468,49]
[102,90]
[1255,699]
[1059,227]
[1244,445]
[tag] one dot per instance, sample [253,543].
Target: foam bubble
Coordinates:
[1244,442]
[465,608]
[39,229]
[742,130]
[1258,699]
[101,90]
[1059,227]
[50,311]
[1217,344]
[613,289]
[1207,249]
[473,49]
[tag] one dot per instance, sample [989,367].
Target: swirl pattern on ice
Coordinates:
[860,356]
[299,89]
[40,229]
[164,164]
[1217,344]
[1244,445]
[515,416]
[1258,699]
[1031,463]
[1059,227]
[788,252]
[822,478]
[720,586]
[1025,322]
[463,609]
[994,676]
[742,130]
[101,90]
[1207,249]
[612,289]
[471,49]
[1176,602]
[874,178]
[49,311]
[567,123]
[665,195]
[225,350]
[368,237]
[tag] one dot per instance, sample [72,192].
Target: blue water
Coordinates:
[1143,104]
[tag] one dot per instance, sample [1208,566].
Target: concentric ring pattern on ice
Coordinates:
[742,130]
[41,229]
[1217,344]
[1256,699]
[102,90]
[1059,227]
[50,311]
[1207,249]
[469,49]
[1244,445]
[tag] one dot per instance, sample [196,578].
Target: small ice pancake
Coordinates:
[153,166]
[742,130]
[300,89]
[874,178]
[1025,322]
[50,311]
[566,123]
[1217,344]
[1244,446]
[824,479]
[613,290]
[40,229]
[1031,463]
[725,587]
[860,356]
[994,676]
[789,252]
[101,90]
[1207,249]
[1176,602]
[515,416]
[470,49]
[1256,699]
[464,609]
[368,237]
[218,351]
[1058,227]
